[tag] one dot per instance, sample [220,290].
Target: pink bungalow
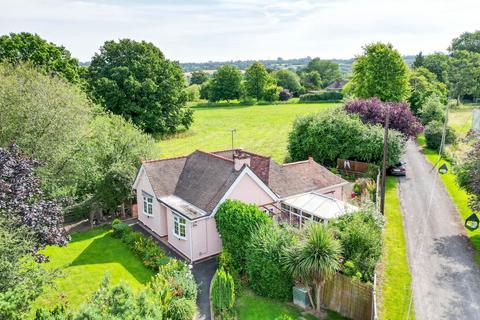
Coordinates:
[178,197]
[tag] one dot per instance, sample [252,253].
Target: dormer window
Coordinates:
[148,205]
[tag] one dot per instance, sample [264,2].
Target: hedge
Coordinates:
[433,135]
[265,274]
[236,222]
[321,96]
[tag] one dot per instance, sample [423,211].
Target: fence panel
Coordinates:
[350,298]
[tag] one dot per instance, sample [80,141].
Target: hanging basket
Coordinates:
[472,222]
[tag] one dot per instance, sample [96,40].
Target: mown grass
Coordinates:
[252,307]
[394,275]
[259,128]
[83,264]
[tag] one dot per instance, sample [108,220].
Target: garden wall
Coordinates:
[350,298]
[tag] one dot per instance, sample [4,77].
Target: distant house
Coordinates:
[337,85]
[178,197]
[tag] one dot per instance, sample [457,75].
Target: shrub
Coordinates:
[180,279]
[322,96]
[265,275]
[223,292]
[271,93]
[432,110]
[360,234]
[236,222]
[434,132]
[335,134]
[374,111]
[181,309]
[119,228]
[285,95]
[193,92]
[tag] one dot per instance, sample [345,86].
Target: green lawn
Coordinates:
[252,307]
[394,275]
[260,128]
[85,261]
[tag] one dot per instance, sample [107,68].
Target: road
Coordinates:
[445,277]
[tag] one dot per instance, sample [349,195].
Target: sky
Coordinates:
[223,30]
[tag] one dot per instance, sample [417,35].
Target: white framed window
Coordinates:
[180,227]
[148,205]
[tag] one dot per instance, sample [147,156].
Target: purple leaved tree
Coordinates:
[22,200]
[374,111]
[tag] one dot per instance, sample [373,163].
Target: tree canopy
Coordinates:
[464,74]
[469,41]
[381,72]
[423,85]
[288,80]
[27,47]
[225,84]
[329,71]
[437,63]
[256,80]
[133,79]
[198,77]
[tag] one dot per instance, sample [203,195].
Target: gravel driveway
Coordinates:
[445,277]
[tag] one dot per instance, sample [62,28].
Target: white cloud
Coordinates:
[251,29]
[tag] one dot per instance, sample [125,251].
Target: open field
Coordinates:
[260,128]
[394,274]
[84,262]
[252,307]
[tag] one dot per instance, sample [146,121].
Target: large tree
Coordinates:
[311,79]
[329,71]
[314,260]
[288,80]
[464,74]
[198,77]
[423,85]
[133,79]
[437,63]
[381,72]
[226,84]
[469,41]
[256,80]
[24,46]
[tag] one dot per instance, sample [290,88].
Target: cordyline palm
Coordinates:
[315,259]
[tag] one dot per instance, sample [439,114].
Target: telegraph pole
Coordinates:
[385,158]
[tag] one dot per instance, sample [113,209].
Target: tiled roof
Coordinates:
[203,178]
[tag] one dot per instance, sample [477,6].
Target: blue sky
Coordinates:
[193,31]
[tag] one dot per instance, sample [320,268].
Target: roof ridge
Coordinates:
[256,154]
[164,159]
[235,149]
[296,162]
[215,156]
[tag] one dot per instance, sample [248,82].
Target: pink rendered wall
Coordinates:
[205,238]
[158,222]
[249,191]
[182,245]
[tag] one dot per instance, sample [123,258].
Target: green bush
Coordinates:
[119,228]
[193,92]
[335,134]
[433,135]
[181,309]
[236,222]
[360,235]
[322,96]
[180,279]
[223,292]
[266,277]
[432,110]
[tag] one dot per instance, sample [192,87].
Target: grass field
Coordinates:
[260,128]
[84,262]
[252,307]
[394,275]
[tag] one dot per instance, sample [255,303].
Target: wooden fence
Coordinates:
[352,299]
[352,167]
